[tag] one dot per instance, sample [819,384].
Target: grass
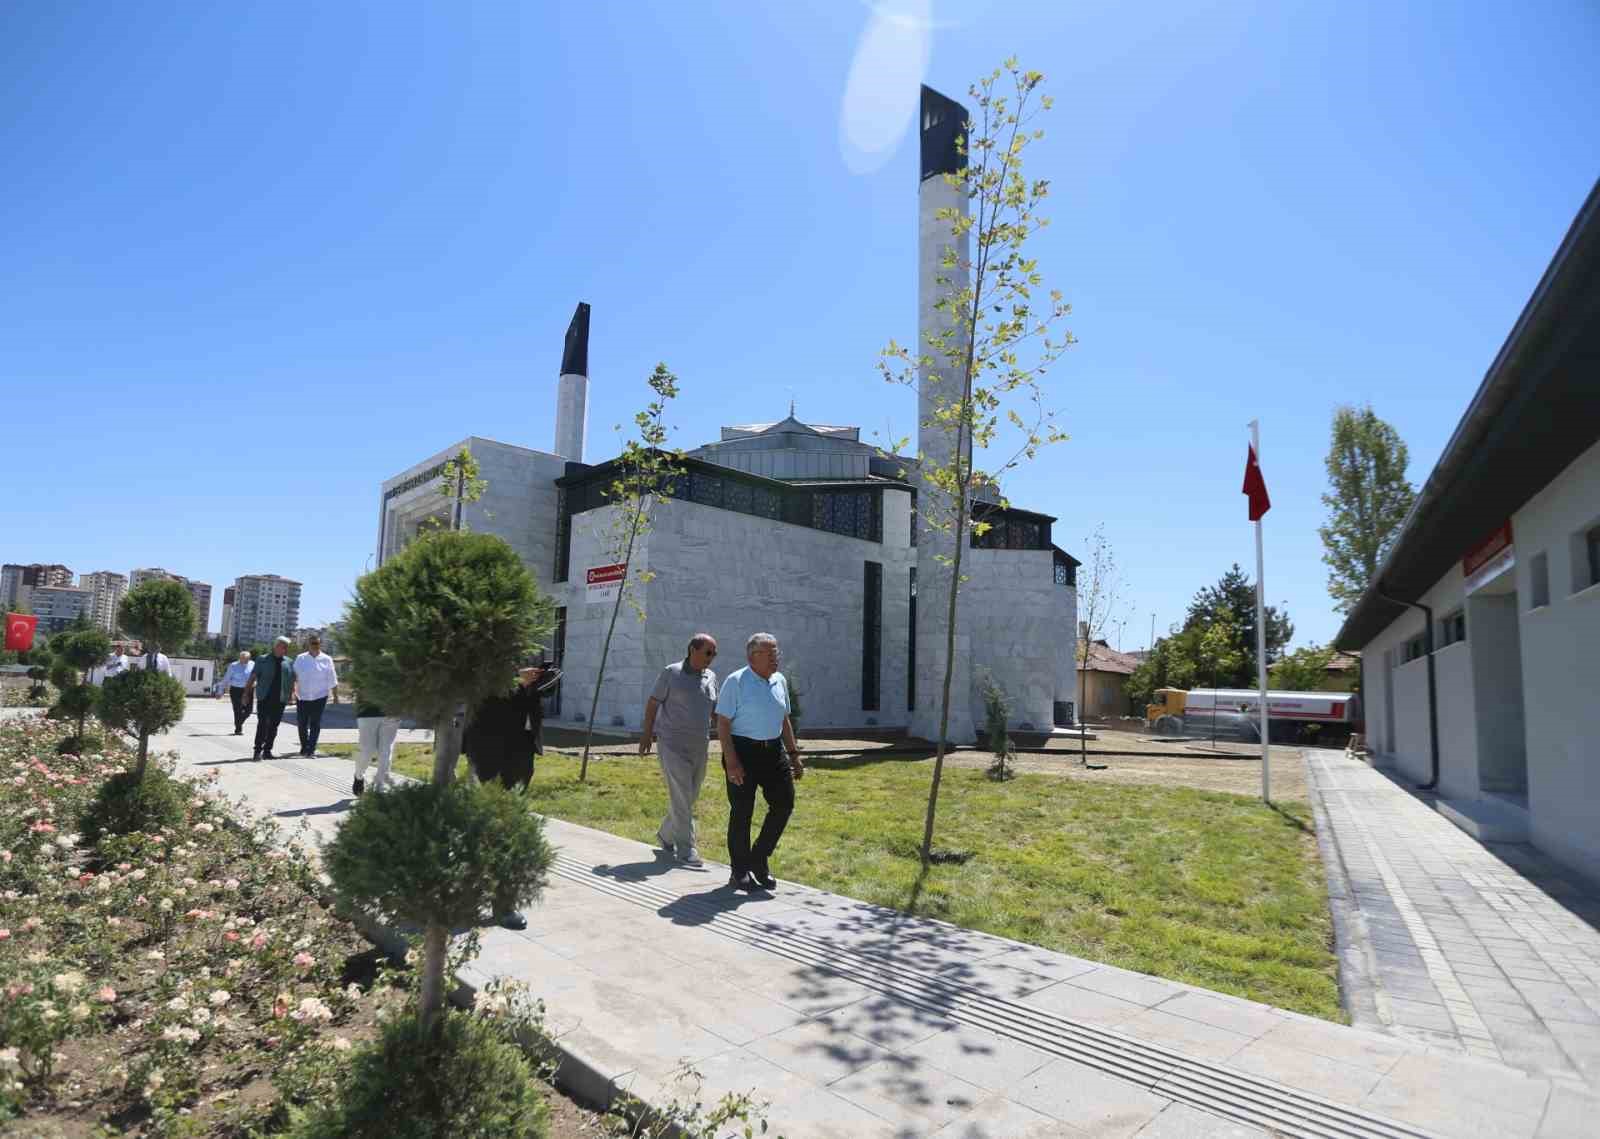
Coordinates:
[1207,888]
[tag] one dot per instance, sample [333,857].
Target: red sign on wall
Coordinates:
[604,582]
[1489,558]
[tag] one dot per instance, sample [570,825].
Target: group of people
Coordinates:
[749,712]
[270,685]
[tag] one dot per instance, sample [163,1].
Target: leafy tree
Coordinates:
[1233,601]
[1304,670]
[972,367]
[1368,498]
[643,474]
[1098,587]
[161,614]
[79,650]
[434,631]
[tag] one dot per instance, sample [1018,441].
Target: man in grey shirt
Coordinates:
[678,718]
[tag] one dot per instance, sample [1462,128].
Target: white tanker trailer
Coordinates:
[1197,711]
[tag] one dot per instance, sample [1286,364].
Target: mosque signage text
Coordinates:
[603,583]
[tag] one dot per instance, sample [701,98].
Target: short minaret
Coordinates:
[944,126]
[572,391]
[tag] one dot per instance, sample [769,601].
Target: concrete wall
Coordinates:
[1497,687]
[1011,609]
[1561,668]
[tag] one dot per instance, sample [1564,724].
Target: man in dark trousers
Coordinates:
[271,682]
[754,729]
[503,735]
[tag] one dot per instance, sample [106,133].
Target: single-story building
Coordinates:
[1104,679]
[1480,635]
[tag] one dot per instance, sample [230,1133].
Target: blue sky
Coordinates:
[258,257]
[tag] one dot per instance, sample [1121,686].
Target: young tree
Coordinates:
[161,614]
[1098,586]
[986,359]
[1368,498]
[435,631]
[79,650]
[643,472]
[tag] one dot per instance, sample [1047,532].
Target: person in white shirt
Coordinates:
[156,661]
[314,681]
[114,665]
[236,678]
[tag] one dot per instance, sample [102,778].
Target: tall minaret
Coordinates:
[572,391]
[944,125]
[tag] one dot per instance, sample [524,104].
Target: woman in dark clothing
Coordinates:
[506,731]
[503,736]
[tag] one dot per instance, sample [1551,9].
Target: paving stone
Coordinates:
[980,1057]
[914,1097]
[1083,1005]
[889,1023]
[1572,1113]
[1189,1036]
[820,1114]
[1121,983]
[818,1050]
[999,1117]
[1350,1046]
[1342,1083]
[1088,1100]
[1180,1121]
[1243,1017]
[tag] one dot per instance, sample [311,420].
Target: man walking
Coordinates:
[753,727]
[314,680]
[376,732]
[678,716]
[237,679]
[271,682]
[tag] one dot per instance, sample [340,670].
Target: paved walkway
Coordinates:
[861,1022]
[1485,949]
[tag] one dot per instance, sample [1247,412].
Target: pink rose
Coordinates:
[107,994]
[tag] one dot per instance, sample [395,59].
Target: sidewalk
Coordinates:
[1484,949]
[861,1022]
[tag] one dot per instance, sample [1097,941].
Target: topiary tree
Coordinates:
[143,702]
[433,632]
[160,613]
[75,653]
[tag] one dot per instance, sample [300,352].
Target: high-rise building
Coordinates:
[17,582]
[200,591]
[227,614]
[58,606]
[108,588]
[265,606]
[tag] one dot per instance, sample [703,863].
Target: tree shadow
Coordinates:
[1298,823]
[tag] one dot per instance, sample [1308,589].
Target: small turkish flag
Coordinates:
[19,631]
[1256,487]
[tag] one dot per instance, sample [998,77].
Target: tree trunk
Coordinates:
[949,671]
[144,752]
[1083,699]
[447,734]
[435,942]
[605,649]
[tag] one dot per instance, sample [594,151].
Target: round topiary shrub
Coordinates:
[126,803]
[141,702]
[437,855]
[465,1080]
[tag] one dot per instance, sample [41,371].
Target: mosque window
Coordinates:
[871,634]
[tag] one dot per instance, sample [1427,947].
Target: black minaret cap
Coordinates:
[575,356]
[944,121]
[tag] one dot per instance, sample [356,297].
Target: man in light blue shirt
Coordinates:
[236,678]
[753,727]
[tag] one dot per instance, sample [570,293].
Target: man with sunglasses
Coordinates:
[678,717]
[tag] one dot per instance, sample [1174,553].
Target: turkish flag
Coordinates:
[1256,488]
[19,631]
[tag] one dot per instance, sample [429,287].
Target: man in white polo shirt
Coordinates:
[314,681]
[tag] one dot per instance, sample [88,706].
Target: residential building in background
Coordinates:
[265,606]
[58,606]
[17,582]
[108,588]
[227,615]
[1480,633]
[198,590]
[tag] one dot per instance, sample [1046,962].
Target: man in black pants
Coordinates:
[271,682]
[754,729]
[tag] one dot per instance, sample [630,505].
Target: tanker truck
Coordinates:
[1236,712]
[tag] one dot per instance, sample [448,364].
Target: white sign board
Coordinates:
[603,583]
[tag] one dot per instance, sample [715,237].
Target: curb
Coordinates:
[1358,991]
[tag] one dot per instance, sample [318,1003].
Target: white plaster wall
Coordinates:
[1011,612]
[733,575]
[1561,669]
[572,417]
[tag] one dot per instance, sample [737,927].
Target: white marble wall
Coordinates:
[1021,627]
[572,417]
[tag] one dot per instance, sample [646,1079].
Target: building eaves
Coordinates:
[1536,411]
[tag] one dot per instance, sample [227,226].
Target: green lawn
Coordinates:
[1212,889]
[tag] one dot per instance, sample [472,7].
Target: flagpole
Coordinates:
[1261,636]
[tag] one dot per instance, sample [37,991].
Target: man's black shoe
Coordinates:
[256,754]
[764,878]
[741,880]
[267,754]
[357,786]
[238,731]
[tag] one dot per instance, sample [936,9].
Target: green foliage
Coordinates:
[996,711]
[1233,601]
[75,702]
[1368,498]
[74,652]
[444,623]
[434,854]
[460,482]
[160,613]
[1304,670]
[142,702]
[128,802]
[466,1081]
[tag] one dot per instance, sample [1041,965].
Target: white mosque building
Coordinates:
[798,529]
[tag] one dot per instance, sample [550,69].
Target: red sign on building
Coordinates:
[1489,558]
